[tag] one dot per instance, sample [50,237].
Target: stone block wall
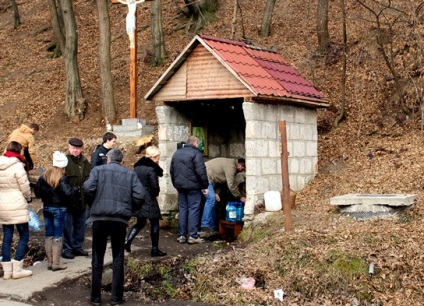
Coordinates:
[263,158]
[258,142]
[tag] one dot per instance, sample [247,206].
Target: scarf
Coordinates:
[18,156]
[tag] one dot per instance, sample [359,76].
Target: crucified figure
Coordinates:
[131,24]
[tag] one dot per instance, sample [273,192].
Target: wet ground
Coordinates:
[76,291]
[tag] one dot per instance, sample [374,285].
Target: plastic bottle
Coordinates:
[240,211]
[34,222]
[231,215]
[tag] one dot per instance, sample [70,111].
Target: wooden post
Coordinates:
[288,223]
[132,33]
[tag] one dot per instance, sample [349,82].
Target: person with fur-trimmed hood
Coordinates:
[148,172]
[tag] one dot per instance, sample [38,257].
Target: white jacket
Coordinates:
[14,191]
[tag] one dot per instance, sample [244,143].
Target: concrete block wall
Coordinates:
[261,148]
[263,158]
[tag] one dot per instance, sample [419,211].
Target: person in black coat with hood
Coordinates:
[148,172]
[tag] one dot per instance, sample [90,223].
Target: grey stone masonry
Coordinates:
[263,148]
[259,144]
[375,203]
[133,127]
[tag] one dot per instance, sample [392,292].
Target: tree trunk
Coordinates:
[267,18]
[105,70]
[58,26]
[17,18]
[157,32]
[234,21]
[73,82]
[322,26]
[342,114]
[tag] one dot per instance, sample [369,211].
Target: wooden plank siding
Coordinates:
[208,78]
[202,76]
[175,88]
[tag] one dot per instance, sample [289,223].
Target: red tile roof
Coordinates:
[265,72]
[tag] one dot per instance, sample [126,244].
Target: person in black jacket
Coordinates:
[148,172]
[98,157]
[54,190]
[188,175]
[115,192]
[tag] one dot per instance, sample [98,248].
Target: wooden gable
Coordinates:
[202,76]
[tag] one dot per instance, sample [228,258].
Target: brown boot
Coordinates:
[48,246]
[57,252]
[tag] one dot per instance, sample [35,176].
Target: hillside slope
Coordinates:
[376,150]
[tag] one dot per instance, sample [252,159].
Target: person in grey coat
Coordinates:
[115,192]
[148,172]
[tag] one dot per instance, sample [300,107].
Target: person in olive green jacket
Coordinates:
[77,171]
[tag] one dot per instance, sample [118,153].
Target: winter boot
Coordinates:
[57,252]
[131,235]
[48,246]
[18,272]
[7,269]
[155,242]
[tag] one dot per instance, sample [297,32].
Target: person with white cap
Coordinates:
[54,190]
[77,171]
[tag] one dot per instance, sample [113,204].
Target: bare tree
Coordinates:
[16,17]
[267,18]
[234,20]
[382,21]
[342,115]
[157,32]
[198,12]
[58,27]
[105,69]
[322,26]
[73,83]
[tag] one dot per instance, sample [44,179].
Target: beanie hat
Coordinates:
[59,159]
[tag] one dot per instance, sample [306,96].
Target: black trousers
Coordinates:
[101,231]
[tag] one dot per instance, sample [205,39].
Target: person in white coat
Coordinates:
[15,193]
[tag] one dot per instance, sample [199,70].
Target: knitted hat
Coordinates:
[59,159]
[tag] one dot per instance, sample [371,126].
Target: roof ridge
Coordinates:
[227,41]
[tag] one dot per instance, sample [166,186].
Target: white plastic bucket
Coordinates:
[272,200]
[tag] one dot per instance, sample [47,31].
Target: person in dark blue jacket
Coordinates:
[115,192]
[148,172]
[188,175]
[54,190]
[98,157]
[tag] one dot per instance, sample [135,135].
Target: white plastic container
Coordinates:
[272,201]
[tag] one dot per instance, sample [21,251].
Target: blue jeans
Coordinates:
[209,211]
[54,219]
[101,231]
[189,210]
[74,231]
[23,230]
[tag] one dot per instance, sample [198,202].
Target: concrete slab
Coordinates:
[394,200]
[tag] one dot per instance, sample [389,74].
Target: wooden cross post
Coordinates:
[131,26]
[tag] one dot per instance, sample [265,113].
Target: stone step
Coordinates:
[373,203]
[130,128]
[374,199]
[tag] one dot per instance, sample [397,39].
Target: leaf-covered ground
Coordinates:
[377,149]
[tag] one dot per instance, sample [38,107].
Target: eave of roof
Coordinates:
[265,73]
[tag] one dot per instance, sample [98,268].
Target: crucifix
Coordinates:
[131,27]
